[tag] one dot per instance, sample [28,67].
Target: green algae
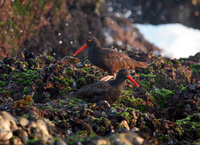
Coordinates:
[3,83]
[162,95]
[81,81]
[191,125]
[26,91]
[196,68]
[164,138]
[148,75]
[132,102]
[25,78]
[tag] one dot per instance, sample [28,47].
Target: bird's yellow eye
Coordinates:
[89,40]
[125,72]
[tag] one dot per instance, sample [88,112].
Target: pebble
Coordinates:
[23,121]
[101,142]
[32,124]
[187,107]
[125,124]
[103,114]
[111,111]
[59,142]
[134,115]
[139,139]
[135,129]
[103,103]
[47,96]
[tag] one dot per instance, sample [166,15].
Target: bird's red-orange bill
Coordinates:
[78,51]
[132,80]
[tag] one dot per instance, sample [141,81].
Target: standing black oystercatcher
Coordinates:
[109,59]
[105,90]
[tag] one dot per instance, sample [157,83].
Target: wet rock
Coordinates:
[71,59]
[108,125]
[140,119]
[103,114]
[84,105]
[103,104]
[169,99]
[124,124]
[47,96]
[192,88]
[187,107]
[9,61]
[171,73]
[134,115]
[187,95]
[68,132]
[111,111]
[86,126]
[135,129]
[133,123]
[59,142]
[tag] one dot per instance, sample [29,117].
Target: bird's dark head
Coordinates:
[125,74]
[91,42]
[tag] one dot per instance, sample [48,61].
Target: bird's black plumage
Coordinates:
[108,90]
[109,59]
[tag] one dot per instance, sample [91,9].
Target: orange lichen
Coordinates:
[27,99]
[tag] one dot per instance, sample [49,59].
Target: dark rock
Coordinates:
[59,142]
[103,104]
[103,114]
[111,111]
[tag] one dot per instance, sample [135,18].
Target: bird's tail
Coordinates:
[139,64]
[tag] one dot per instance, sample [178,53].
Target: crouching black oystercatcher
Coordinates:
[109,59]
[105,90]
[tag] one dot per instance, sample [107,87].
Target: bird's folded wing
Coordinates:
[93,90]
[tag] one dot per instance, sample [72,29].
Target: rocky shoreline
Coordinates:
[35,107]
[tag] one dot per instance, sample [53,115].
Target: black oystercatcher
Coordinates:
[106,90]
[109,59]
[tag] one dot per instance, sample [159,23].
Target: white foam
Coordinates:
[176,40]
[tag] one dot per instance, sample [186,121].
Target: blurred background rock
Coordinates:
[60,27]
[160,12]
